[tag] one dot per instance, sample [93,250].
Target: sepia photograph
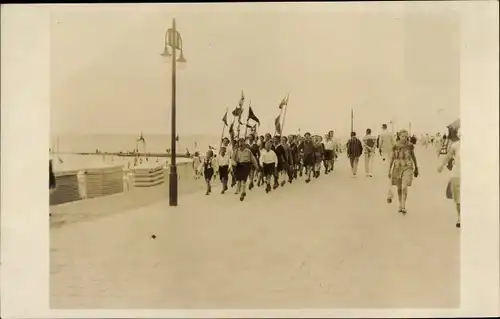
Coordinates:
[255,156]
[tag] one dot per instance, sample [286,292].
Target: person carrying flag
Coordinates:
[254,148]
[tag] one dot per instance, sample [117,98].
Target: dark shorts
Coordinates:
[308,159]
[209,173]
[328,155]
[242,171]
[223,172]
[268,169]
[282,166]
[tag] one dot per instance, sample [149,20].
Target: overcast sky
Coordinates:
[393,61]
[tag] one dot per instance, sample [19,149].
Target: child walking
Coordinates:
[243,160]
[223,161]
[208,170]
[268,162]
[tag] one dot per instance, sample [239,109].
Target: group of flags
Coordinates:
[238,112]
[277,122]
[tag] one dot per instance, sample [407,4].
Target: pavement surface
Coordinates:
[332,243]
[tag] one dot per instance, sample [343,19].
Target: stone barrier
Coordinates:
[103,181]
[67,188]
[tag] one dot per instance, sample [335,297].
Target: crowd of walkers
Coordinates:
[272,162]
[268,161]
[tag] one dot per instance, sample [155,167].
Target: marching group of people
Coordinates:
[268,161]
[273,161]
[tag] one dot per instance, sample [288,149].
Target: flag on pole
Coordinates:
[141,139]
[231,131]
[237,111]
[282,103]
[251,116]
[224,119]
[242,100]
[254,129]
[177,138]
[277,124]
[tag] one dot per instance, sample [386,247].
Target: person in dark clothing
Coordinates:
[289,159]
[234,147]
[254,148]
[52,178]
[295,157]
[208,170]
[354,151]
[318,155]
[308,148]
[280,151]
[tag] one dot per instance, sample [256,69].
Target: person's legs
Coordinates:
[400,195]
[243,187]
[281,177]
[389,187]
[251,177]
[404,196]
[238,187]
[207,180]
[309,169]
[268,182]
[456,196]
[355,165]
[233,177]
[370,161]
[367,163]
[351,163]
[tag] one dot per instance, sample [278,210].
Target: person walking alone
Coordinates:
[452,161]
[403,167]
[354,151]
[386,144]
[369,143]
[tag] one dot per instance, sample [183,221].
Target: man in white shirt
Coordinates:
[223,161]
[268,162]
[369,143]
[329,152]
[452,161]
[386,143]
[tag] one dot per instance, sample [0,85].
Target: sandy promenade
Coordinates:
[332,243]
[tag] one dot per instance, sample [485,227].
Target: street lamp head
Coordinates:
[166,53]
[181,58]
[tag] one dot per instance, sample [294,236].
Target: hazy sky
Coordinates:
[388,61]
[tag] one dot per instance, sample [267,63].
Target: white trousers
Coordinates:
[387,164]
[369,157]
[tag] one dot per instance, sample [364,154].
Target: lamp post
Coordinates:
[173,39]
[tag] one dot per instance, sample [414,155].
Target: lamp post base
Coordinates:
[173,185]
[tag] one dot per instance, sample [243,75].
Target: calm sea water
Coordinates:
[66,143]
[65,147]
